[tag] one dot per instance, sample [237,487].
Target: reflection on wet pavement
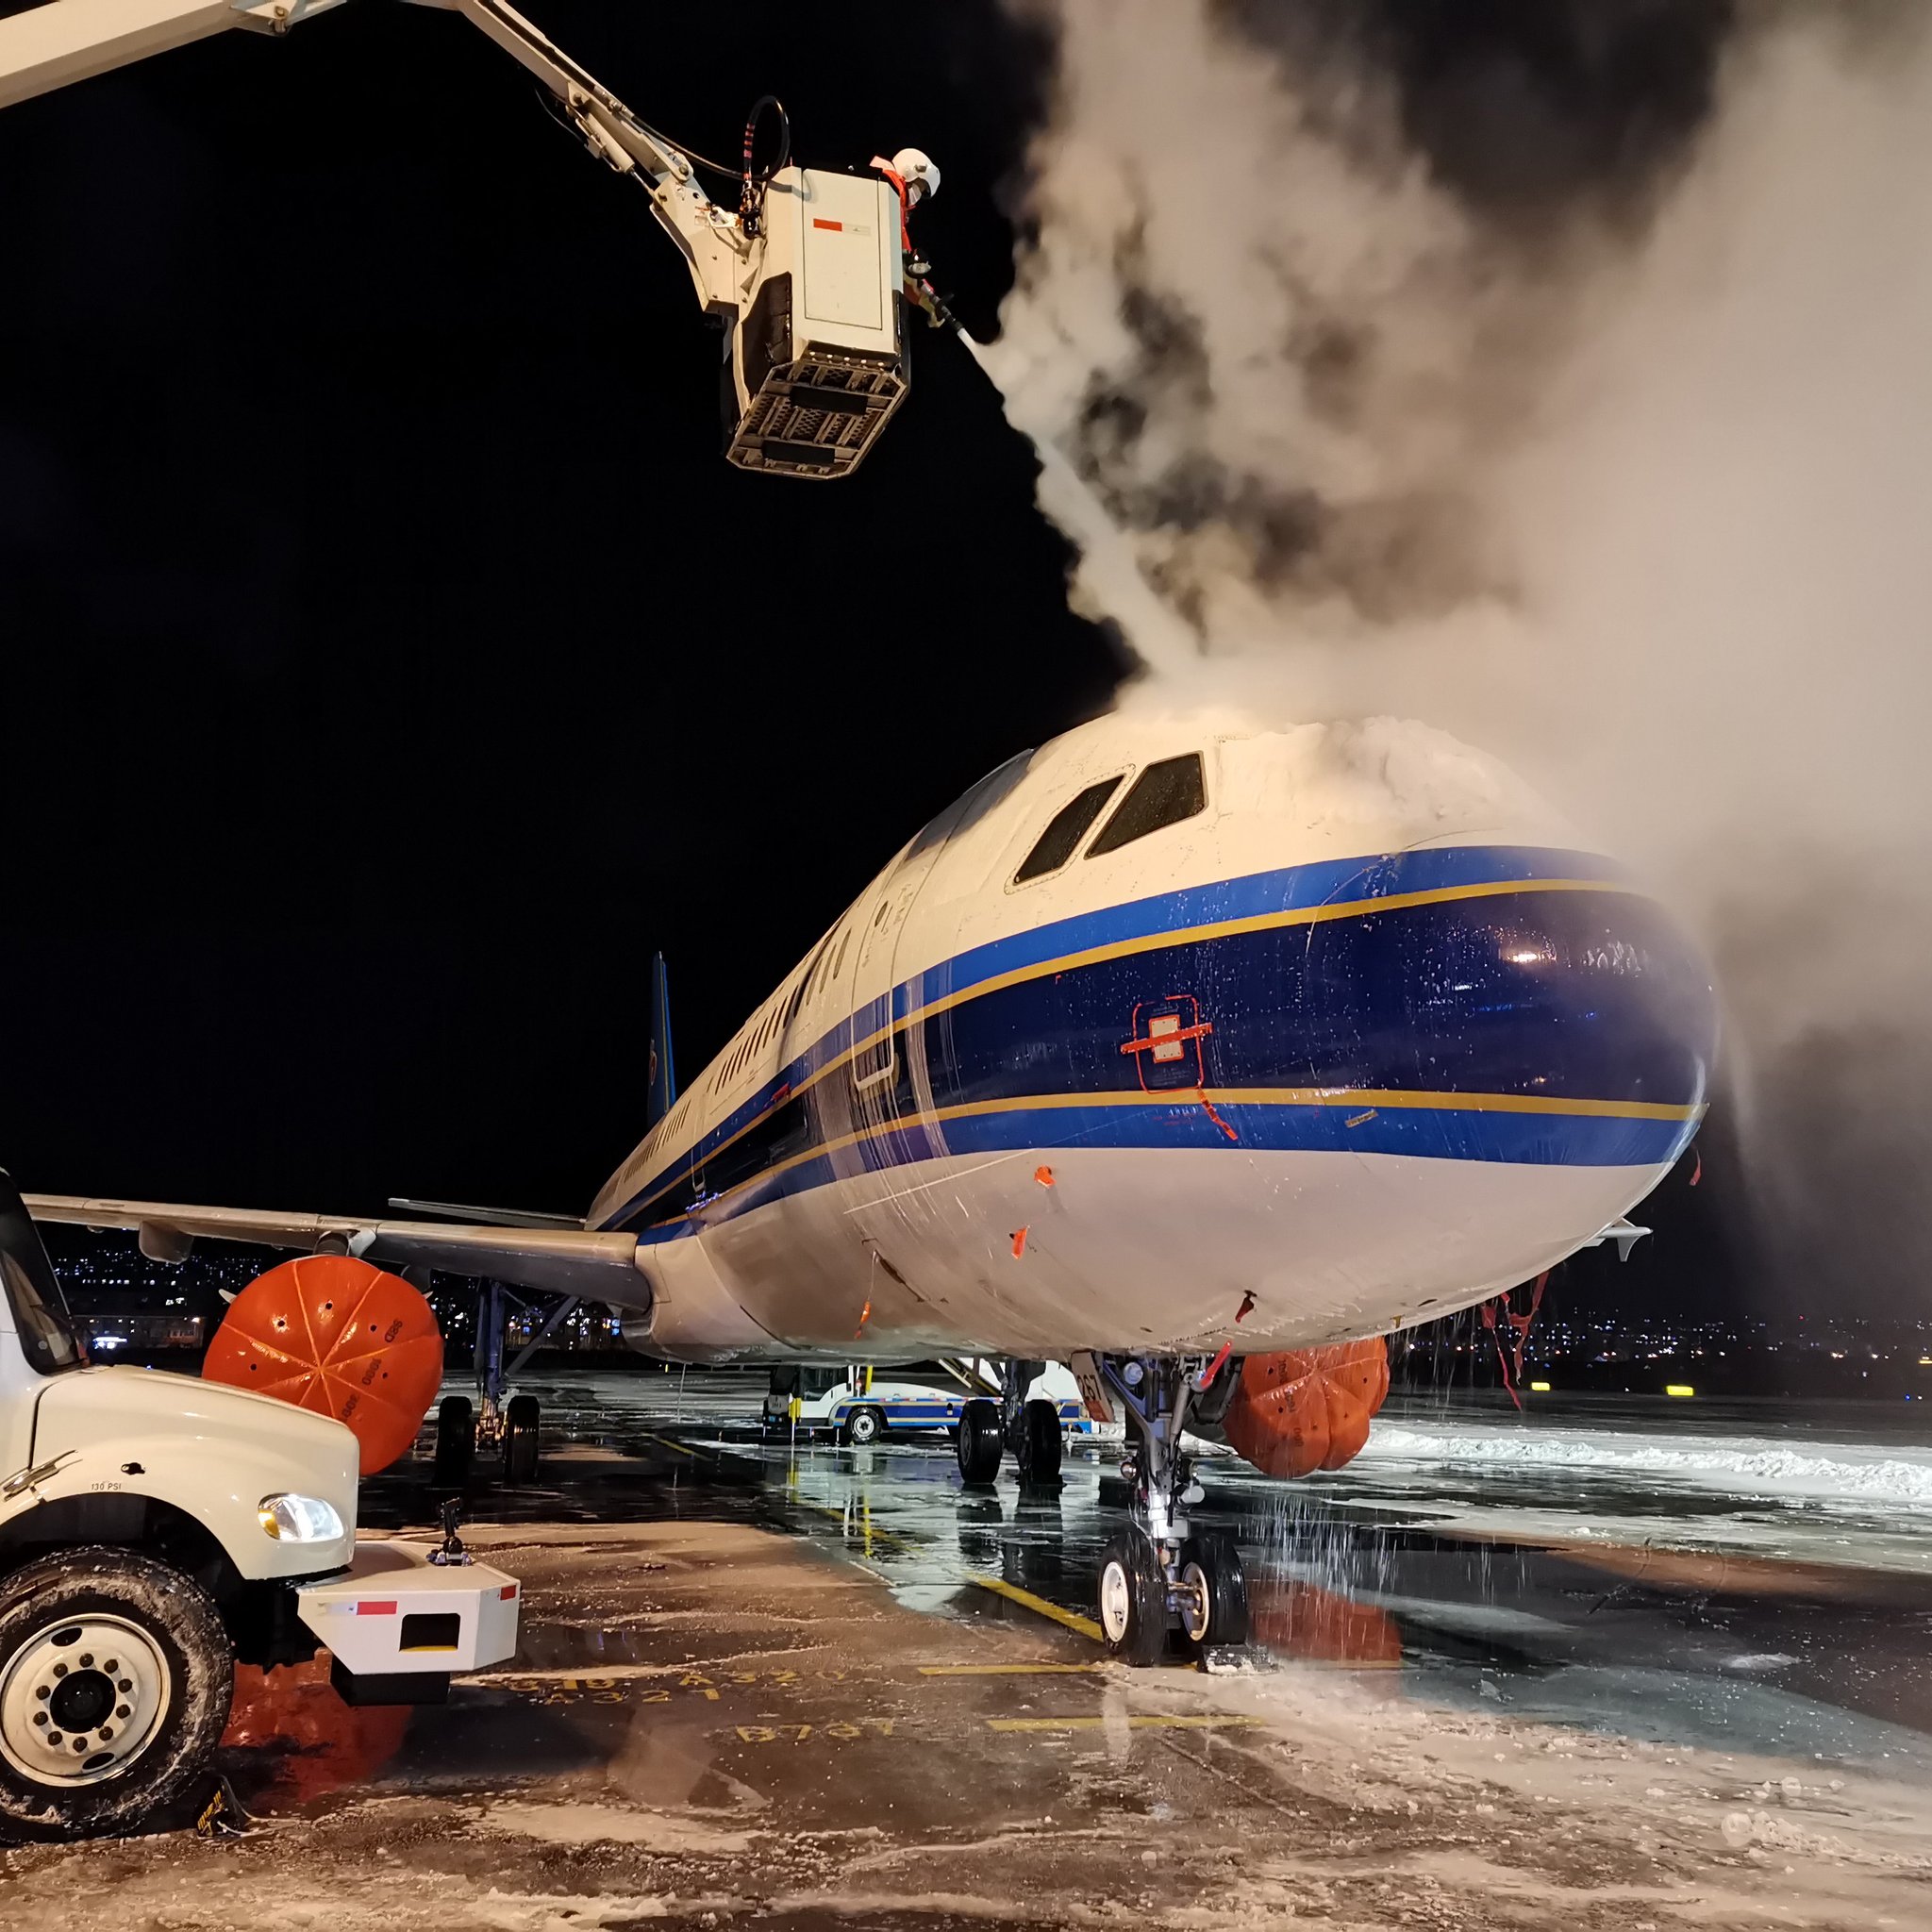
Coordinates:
[291,1740]
[1770,1653]
[769,1684]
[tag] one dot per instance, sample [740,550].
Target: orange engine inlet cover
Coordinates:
[340,1337]
[1308,1409]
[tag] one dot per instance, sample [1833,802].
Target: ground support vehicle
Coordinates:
[859,1404]
[155,1530]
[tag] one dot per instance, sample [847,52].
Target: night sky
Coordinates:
[394,663]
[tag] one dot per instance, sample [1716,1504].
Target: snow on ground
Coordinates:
[1350,1802]
[1803,1498]
[1893,1477]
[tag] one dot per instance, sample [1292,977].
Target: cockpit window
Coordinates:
[1163,795]
[1064,831]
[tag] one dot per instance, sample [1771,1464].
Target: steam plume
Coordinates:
[1563,379]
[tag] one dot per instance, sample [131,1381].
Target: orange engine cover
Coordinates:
[1308,1409]
[336,1335]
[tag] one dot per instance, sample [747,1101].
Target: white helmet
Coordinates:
[916,170]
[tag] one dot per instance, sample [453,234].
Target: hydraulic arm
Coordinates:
[806,275]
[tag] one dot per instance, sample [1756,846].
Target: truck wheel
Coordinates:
[455,1442]
[863,1426]
[520,1441]
[115,1679]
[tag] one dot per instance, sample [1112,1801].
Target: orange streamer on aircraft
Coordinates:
[1308,1409]
[340,1337]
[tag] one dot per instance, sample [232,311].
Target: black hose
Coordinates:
[751,197]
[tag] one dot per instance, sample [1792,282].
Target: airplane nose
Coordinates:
[1555,1019]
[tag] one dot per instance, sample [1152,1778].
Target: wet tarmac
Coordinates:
[788,1685]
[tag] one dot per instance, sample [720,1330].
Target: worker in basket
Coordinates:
[915,179]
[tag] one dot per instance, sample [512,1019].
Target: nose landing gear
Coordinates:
[1155,1575]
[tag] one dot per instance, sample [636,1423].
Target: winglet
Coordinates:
[661,1088]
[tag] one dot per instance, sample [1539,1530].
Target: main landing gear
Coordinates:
[1156,1576]
[507,1428]
[988,1425]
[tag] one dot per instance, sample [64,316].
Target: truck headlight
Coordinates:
[299,1520]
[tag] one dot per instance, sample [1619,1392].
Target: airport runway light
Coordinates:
[1679,1389]
[1538,1388]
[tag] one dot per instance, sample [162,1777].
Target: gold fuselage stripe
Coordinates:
[1370,1099]
[1179,936]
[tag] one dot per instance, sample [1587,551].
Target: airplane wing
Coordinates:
[558,1260]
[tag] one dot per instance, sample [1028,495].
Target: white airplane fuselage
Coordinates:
[1363,1039]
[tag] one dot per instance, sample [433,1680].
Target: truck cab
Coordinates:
[155,1530]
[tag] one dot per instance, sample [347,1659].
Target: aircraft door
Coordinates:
[889,1094]
[885,1087]
[874,1058]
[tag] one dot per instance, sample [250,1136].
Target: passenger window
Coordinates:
[1064,831]
[1163,795]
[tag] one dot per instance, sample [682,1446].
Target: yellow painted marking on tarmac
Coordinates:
[1009,1670]
[650,1436]
[798,1733]
[1086,1627]
[862,1530]
[1144,1722]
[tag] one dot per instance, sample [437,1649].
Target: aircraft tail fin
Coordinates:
[662,1090]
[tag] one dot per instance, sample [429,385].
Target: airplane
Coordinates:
[1180,1041]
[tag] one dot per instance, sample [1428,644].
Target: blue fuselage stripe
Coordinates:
[1539,1139]
[1466,1006]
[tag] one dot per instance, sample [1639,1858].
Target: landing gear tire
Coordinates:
[864,1428]
[115,1679]
[979,1445]
[1038,1448]
[455,1442]
[1214,1594]
[1133,1599]
[520,1449]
